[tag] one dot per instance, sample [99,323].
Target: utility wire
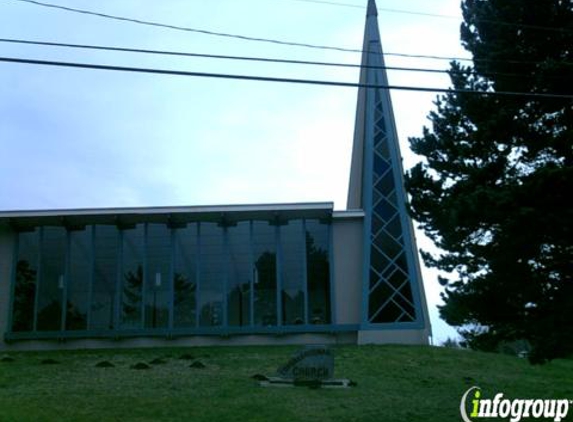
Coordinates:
[383,9]
[226,35]
[276,79]
[441,16]
[248,38]
[332,3]
[217,56]
[239,58]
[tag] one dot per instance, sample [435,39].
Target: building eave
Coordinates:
[166,215]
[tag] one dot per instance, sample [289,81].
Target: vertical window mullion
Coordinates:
[279,284]
[118,281]
[145,274]
[305,272]
[38,279]
[91,279]
[15,251]
[198,277]
[331,276]
[173,245]
[252,278]
[227,258]
[66,281]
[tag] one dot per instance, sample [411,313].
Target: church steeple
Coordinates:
[372,10]
[392,284]
[371,56]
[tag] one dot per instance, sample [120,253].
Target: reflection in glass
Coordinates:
[318,271]
[52,273]
[265,278]
[105,275]
[79,280]
[132,277]
[26,281]
[240,275]
[293,277]
[213,274]
[157,283]
[184,277]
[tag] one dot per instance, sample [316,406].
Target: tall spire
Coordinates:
[392,284]
[372,10]
[371,53]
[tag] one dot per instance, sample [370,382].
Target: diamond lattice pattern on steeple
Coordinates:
[390,295]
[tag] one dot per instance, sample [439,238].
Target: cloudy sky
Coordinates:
[73,138]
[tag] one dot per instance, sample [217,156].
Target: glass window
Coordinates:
[240,274]
[184,277]
[265,277]
[158,279]
[106,248]
[26,281]
[52,278]
[292,269]
[212,275]
[79,278]
[318,271]
[132,277]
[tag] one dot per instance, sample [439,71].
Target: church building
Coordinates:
[297,273]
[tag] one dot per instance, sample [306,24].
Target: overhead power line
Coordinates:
[227,35]
[441,16]
[332,3]
[249,38]
[240,58]
[217,56]
[383,9]
[276,79]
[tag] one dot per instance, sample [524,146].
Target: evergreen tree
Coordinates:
[493,191]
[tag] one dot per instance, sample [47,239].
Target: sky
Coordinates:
[73,138]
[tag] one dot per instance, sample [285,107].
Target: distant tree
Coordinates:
[75,319]
[266,288]
[184,290]
[50,316]
[184,300]
[132,293]
[238,304]
[451,343]
[494,189]
[24,297]
[318,276]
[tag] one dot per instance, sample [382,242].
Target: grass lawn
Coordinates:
[395,383]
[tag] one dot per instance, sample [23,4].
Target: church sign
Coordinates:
[313,363]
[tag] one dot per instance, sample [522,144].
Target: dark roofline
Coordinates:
[167,215]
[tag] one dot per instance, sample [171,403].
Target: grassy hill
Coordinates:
[394,383]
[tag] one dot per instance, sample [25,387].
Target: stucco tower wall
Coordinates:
[347,252]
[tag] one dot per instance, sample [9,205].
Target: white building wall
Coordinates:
[347,278]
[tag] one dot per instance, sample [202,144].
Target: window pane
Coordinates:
[158,285]
[185,283]
[78,280]
[264,245]
[132,277]
[292,248]
[52,271]
[241,273]
[318,272]
[213,274]
[105,276]
[26,281]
